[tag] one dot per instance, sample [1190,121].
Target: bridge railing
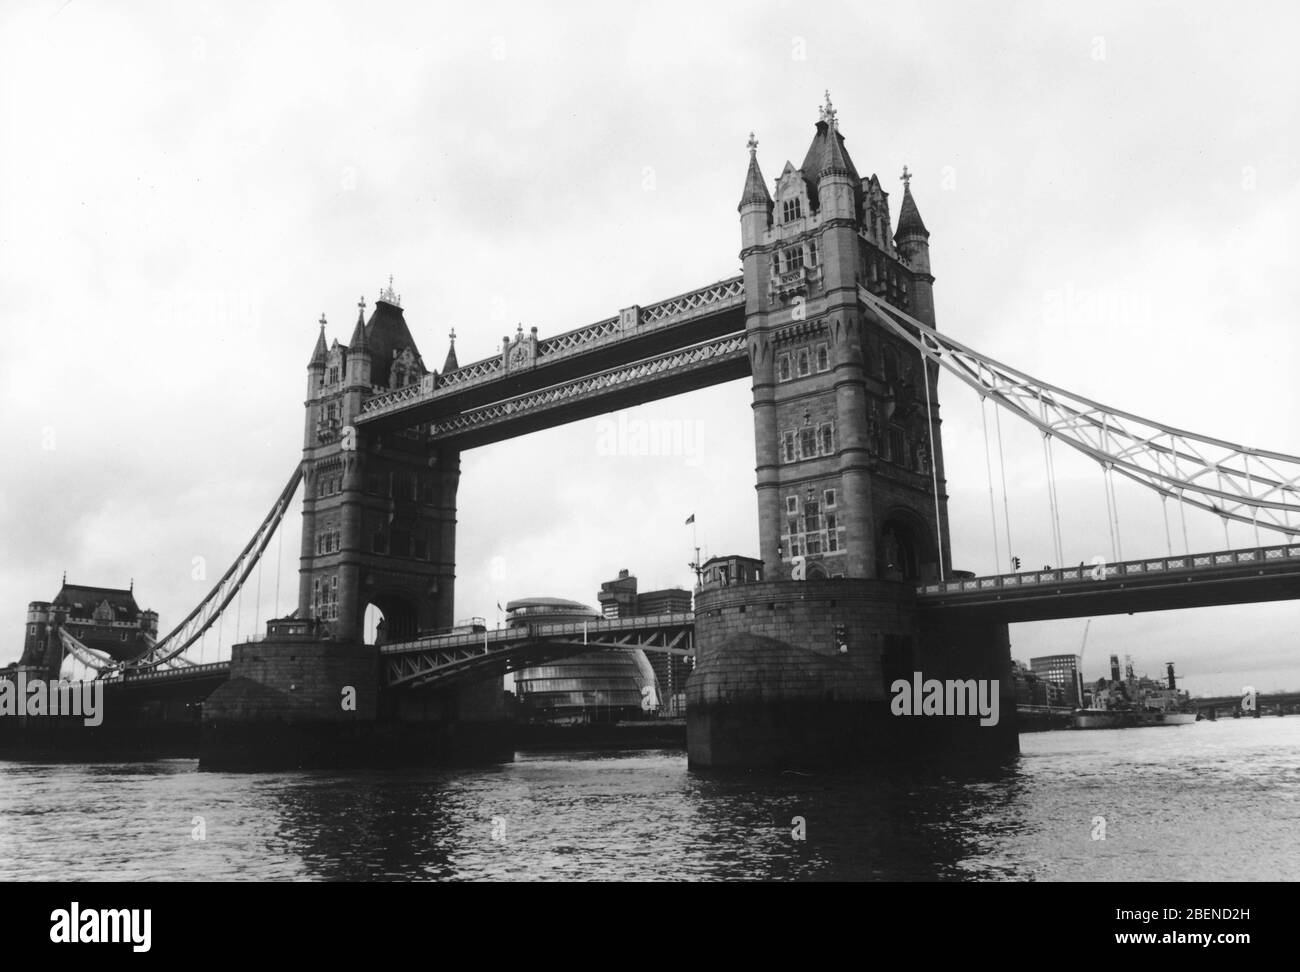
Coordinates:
[153,674]
[635,321]
[1093,573]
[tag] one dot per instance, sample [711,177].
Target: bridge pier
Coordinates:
[293,699]
[793,673]
[297,699]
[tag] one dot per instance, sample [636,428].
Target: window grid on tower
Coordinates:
[810,530]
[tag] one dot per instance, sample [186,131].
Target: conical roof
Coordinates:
[318,355]
[755,186]
[451,364]
[909,217]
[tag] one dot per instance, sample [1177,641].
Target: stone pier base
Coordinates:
[295,702]
[799,674]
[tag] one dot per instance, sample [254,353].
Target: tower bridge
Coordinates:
[833,319]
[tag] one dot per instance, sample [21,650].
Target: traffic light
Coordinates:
[1015,563]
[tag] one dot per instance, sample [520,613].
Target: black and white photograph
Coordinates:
[651,442]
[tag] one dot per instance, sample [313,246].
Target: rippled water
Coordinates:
[1209,801]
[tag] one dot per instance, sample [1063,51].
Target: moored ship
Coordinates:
[1128,702]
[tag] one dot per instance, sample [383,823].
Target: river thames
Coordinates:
[1210,801]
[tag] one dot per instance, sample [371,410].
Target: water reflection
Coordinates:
[1183,803]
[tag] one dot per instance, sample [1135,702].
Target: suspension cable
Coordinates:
[1182,515]
[257,601]
[1056,503]
[1053,500]
[1110,528]
[1268,499]
[1250,487]
[1227,540]
[993,510]
[279,546]
[1114,506]
[1164,507]
[934,462]
[1051,496]
[1006,510]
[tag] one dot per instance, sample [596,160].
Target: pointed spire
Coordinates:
[358,342]
[755,187]
[318,355]
[451,364]
[833,160]
[909,217]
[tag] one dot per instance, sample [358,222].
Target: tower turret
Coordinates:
[913,242]
[755,203]
[316,366]
[836,180]
[359,351]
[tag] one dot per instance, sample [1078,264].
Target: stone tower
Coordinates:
[799,668]
[379,521]
[849,455]
[379,512]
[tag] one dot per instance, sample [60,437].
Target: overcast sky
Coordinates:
[1111,190]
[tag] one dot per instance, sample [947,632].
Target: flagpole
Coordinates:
[695,541]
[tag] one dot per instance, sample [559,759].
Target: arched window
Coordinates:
[783,369]
[826,436]
[823,357]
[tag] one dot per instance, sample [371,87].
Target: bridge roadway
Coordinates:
[1248,575]
[1151,584]
[445,659]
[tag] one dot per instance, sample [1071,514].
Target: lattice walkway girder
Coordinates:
[716,297]
[675,362]
[1247,485]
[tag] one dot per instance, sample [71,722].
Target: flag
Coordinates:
[690,519]
[498,605]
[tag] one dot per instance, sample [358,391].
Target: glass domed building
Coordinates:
[598,686]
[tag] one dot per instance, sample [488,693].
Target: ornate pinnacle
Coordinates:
[827,111]
[907,178]
[752,144]
[388,295]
